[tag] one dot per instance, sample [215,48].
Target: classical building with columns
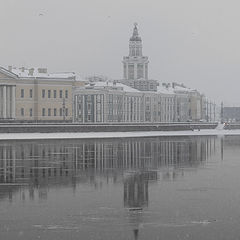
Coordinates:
[135,98]
[36,95]
[7,95]
[7,101]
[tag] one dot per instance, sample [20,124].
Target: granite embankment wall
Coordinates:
[51,128]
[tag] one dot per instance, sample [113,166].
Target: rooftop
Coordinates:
[111,85]
[39,73]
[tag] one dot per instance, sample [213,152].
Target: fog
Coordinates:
[187,41]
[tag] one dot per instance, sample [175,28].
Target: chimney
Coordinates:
[10,68]
[30,73]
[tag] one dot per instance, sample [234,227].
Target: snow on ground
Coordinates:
[87,135]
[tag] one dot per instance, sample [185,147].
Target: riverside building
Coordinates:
[135,98]
[36,95]
[103,102]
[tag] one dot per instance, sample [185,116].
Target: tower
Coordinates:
[135,65]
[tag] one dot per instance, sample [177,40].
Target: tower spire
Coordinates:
[135,36]
[135,65]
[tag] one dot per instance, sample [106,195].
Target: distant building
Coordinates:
[191,104]
[35,95]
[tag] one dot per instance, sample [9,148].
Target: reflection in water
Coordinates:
[136,191]
[136,196]
[30,170]
[42,164]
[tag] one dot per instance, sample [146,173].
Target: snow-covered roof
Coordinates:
[183,89]
[109,85]
[165,90]
[40,73]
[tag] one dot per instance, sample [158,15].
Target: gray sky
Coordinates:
[195,42]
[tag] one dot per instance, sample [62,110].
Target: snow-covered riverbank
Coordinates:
[88,135]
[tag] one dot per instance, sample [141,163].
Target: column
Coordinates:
[83,108]
[4,102]
[13,101]
[95,108]
[8,101]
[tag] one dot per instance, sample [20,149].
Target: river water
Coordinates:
[128,188]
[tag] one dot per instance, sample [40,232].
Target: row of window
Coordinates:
[50,93]
[53,93]
[23,93]
[62,112]
[47,112]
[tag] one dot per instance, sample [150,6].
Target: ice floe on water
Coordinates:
[56,227]
[180,224]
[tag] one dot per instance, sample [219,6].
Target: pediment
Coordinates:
[5,74]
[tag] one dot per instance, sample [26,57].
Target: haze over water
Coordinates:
[128,188]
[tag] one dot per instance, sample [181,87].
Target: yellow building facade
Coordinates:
[35,95]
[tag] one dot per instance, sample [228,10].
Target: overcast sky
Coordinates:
[195,42]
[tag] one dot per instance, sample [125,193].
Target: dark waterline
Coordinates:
[136,188]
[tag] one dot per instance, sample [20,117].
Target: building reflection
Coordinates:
[135,161]
[136,191]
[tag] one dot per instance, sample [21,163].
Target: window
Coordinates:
[60,112]
[43,112]
[22,93]
[49,112]
[55,93]
[66,93]
[30,93]
[43,93]
[60,93]
[66,112]
[22,111]
[30,112]
[55,112]
[49,93]
[131,71]
[140,71]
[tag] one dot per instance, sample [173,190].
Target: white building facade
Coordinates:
[105,102]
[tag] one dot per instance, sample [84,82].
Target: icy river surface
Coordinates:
[166,187]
